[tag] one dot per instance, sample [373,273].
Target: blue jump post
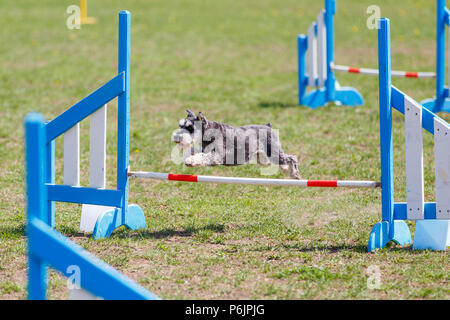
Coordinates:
[441,102]
[327,88]
[388,229]
[130,216]
[47,247]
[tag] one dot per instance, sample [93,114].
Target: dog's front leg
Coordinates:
[203,160]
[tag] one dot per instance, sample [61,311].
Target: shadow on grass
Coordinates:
[333,248]
[69,231]
[347,247]
[170,232]
[12,232]
[314,248]
[276,104]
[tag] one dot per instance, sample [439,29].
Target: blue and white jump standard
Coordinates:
[103,210]
[432,218]
[319,44]
[47,247]
[442,100]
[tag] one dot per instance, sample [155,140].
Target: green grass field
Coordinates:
[236,62]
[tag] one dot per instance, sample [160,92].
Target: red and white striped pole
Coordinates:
[256,181]
[405,74]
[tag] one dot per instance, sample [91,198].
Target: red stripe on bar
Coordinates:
[353,70]
[182,177]
[322,183]
[411,74]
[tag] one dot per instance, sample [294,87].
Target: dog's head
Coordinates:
[185,135]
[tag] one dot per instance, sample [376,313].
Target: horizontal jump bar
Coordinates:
[101,197]
[394,73]
[255,181]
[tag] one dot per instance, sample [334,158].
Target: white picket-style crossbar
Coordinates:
[414,159]
[448,58]
[312,54]
[97,164]
[414,163]
[442,168]
[72,156]
[317,52]
[321,49]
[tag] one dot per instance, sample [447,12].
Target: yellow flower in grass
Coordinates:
[355,28]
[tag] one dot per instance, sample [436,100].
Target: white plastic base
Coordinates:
[89,215]
[432,234]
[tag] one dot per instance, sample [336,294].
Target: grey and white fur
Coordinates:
[221,144]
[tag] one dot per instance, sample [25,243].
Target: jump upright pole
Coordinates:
[441,102]
[389,229]
[84,18]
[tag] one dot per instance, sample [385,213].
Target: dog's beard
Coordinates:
[183,139]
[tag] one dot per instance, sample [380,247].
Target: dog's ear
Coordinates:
[201,117]
[190,114]
[269,125]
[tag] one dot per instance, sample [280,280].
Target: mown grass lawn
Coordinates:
[236,62]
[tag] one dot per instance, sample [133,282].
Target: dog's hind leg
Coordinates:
[289,165]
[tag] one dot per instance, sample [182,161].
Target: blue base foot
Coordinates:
[349,96]
[431,105]
[346,96]
[432,234]
[379,236]
[315,99]
[109,221]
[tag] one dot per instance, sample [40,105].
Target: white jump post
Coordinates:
[430,233]
[72,156]
[97,175]
[97,164]
[312,55]
[414,160]
[97,168]
[321,49]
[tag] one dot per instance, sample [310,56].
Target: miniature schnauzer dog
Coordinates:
[222,144]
